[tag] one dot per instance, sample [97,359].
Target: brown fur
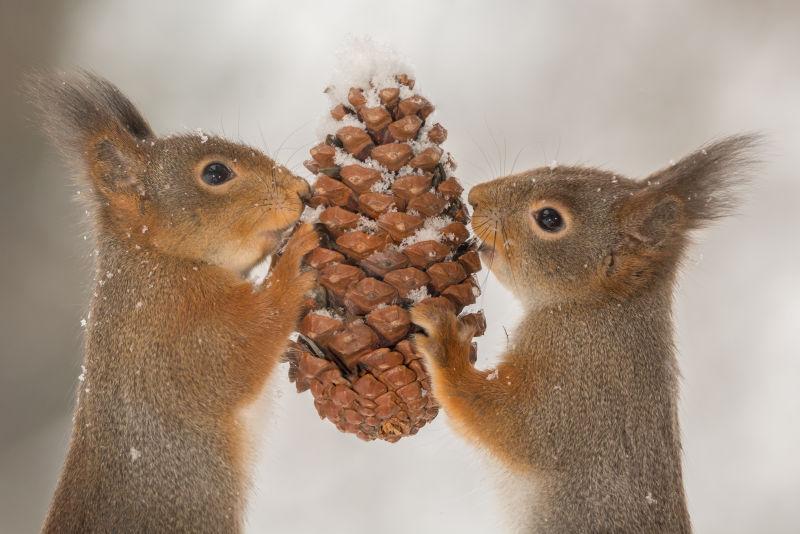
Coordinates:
[178,343]
[583,407]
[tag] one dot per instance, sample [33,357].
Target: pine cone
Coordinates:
[394,232]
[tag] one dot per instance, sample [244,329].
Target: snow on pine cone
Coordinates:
[394,233]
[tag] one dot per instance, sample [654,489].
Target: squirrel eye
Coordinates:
[549,220]
[216,174]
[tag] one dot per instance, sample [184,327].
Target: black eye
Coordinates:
[549,220]
[216,174]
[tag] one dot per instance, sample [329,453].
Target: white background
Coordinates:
[623,85]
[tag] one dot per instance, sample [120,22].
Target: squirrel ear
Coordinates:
[92,122]
[706,181]
[689,194]
[651,224]
[655,220]
[112,167]
[686,195]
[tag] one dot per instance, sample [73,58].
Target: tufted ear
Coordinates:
[650,219]
[94,124]
[656,219]
[706,182]
[652,229]
[695,191]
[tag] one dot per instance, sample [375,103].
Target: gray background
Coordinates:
[624,85]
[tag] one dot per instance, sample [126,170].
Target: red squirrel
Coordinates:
[178,343]
[582,408]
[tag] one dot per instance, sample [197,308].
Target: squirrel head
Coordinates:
[557,234]
[194,196]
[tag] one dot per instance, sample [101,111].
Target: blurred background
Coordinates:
[623,85]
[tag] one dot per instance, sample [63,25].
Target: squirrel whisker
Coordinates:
[582,408]
[489,167]
[179,342]
[289,136]
[293,154]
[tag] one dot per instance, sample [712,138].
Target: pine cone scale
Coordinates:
[393,233]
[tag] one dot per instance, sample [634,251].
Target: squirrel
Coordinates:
[178,343]
[582,409]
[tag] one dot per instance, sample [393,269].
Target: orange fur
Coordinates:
[178,342]
[584,403]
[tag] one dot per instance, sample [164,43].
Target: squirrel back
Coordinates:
[178,343]
[583,408]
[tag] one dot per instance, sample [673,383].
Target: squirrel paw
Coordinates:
[447,337]
[303,240]
[288,283]
[306,282]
